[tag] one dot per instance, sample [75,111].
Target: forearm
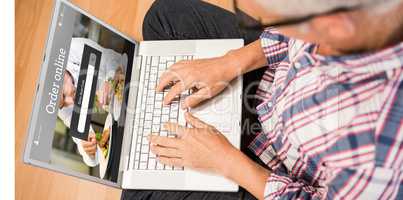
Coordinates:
[246,173]
[247,58]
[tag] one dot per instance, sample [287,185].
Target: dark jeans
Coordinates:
[194,19]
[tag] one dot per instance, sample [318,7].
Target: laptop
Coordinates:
[96,104]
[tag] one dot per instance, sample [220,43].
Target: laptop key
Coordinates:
[160,166]
[151,114]
[143,165]
[151,163]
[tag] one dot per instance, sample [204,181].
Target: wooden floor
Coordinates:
[32,20]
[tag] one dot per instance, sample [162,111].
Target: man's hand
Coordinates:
[207,76]
[90,146]
[201,147]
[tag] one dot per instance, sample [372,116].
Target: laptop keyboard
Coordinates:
[151,114]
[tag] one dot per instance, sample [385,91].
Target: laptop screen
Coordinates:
[77,124]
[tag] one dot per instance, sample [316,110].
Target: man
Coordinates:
[331,114]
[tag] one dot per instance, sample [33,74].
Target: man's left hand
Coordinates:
[201,148]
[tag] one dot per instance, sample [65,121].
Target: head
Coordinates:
[69,91]
[342,27]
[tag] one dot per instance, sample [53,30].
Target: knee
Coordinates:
[153,23]
[156,9]
[162,15]
[163,6]
[151,17]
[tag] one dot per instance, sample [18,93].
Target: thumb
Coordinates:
[194,121]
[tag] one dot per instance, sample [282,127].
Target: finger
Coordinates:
[91,153]
[165,151]
[90,149]
[176,128]
[91,138]
[166,78]
[175,90]
[177,162]
[197,97]
[92,141]
[91,135]
[194,121]
[164,141]
[87,144]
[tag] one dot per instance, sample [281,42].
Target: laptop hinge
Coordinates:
[130,114]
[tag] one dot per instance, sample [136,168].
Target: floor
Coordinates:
[32,20]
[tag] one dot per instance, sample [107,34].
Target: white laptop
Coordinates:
[96,103]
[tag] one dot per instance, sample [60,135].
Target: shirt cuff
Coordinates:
[280,185]
[274,45]
[275,186]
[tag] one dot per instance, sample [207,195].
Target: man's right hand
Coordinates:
[210,76]
[207,77]
[90,146]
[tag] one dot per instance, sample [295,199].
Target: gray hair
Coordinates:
[303,8]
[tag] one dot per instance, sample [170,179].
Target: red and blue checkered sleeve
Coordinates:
[275,46]
[283,186]
[348,183]
[279,48]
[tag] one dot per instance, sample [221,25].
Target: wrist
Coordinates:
[233,65]
[246,59]
[232,158]
[245,172]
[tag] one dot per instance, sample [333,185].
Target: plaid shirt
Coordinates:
[332,126]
